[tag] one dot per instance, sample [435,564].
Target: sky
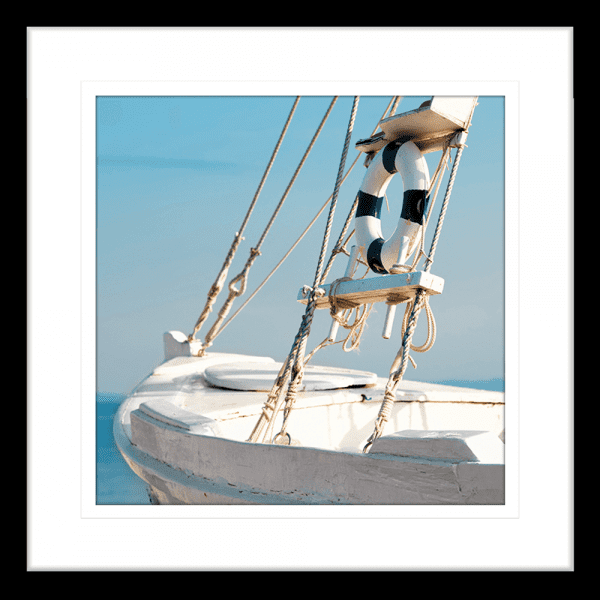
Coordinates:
[175,177]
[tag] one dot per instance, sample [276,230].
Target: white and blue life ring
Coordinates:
[406,159]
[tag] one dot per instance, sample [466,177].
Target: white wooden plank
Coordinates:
[430,126]
[396,288]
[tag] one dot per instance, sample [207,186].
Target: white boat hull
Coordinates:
[186,440]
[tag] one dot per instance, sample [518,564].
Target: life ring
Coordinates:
[406,159]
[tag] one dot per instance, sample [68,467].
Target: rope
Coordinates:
[398,370]
[340,244]
[460,147]
[220,280]
[298,367]
[431,328]
[255,252]
[396,100]
[443,210]
[290,251]
[338,248]
[293,369]
[409,324]
[275,398]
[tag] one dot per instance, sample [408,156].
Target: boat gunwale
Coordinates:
[142,461]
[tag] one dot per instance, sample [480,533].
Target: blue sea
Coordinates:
[115,481]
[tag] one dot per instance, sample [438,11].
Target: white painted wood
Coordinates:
[166,412]
[400,266]
[394,288]
[258,377]
[389,322]
[455,446]
[187,440]
[266,473]
[352,261]
[430,126]
[176,344]
[457,109]
[335,325]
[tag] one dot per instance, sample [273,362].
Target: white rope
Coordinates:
[275,398]
[396,375]
[289,252]
[255,252]
[298,367]
[421,300]
[293,369]
[220,280]
[339,248]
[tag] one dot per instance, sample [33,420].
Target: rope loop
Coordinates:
[237,291]
[217,286]
[384,414]
[341,311]
[335,303]
[297,359]
[280,436]
[296,356]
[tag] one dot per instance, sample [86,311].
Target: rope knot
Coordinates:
[335,303]
[237,291]
[315,292]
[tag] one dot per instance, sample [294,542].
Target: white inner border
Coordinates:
[63,517]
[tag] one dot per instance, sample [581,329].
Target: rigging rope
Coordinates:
[396,375]
[242,277]
[285,256]
[410,322]
[391,107]
[274,400]
[295,361]
[220,280]
[340,243]
[297,371]
[293,367]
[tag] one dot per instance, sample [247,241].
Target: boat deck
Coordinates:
[188,440]
[339,419]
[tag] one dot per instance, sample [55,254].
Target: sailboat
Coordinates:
[211,427]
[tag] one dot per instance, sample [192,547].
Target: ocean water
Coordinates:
[115,481]
[492,385]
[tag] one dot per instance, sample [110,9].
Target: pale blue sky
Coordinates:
[175,178]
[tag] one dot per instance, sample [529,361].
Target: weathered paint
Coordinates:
[284,474]
[186,440]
